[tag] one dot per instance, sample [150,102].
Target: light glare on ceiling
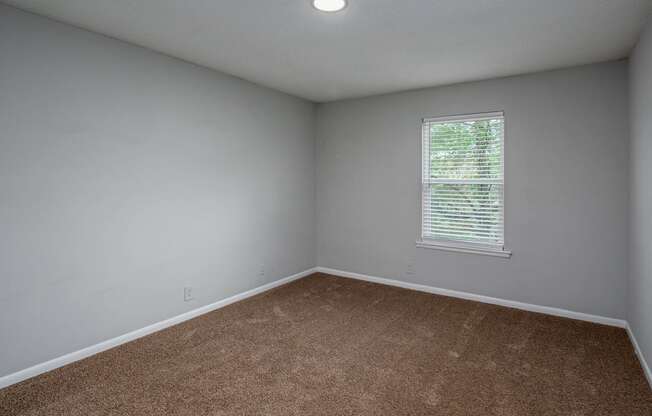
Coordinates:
[329,5]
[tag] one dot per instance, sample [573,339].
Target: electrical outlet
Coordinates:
[410,269]
[187,294]
[261,272]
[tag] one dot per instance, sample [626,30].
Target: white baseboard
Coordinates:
[50,365]
[35,370]
[479,298]
[639,353]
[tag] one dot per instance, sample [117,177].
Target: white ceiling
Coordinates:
[373,46]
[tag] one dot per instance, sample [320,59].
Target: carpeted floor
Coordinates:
[326,345]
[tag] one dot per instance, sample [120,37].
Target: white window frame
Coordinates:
[462,247]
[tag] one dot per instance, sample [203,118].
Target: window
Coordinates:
[463,183]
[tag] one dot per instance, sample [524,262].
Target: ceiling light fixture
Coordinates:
[329,5]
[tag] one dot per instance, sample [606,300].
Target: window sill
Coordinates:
[461,248]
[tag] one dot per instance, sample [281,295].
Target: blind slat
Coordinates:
[462,237]
[462,216]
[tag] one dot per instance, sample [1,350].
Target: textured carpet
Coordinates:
[326,345]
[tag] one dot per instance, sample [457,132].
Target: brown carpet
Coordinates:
[325,345]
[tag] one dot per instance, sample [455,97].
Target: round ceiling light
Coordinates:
[329,5]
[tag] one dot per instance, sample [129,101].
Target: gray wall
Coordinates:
[566,188]
[640,285]
[126,175]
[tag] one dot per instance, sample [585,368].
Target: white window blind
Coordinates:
[463,181]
